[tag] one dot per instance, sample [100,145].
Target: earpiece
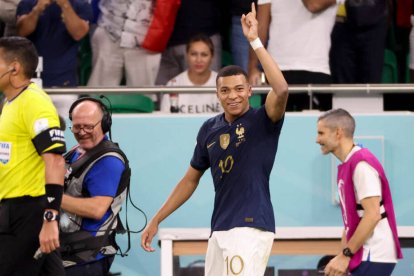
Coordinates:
[106,118]
[10,69]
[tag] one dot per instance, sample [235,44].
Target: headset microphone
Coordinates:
[7,72]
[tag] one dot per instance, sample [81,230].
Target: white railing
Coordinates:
[310,89]
[356,90]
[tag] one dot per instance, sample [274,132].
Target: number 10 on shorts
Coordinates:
[234,265]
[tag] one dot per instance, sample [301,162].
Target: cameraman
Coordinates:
[96,183]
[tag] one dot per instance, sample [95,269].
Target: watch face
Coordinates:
[347,252]
[49,215]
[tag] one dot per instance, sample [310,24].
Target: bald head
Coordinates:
[86,124]
[89,109]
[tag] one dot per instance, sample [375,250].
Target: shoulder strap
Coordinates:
[90,156]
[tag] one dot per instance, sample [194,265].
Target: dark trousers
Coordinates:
[374,269]
[98,268]
[298,102]
[21,220]
[357,54]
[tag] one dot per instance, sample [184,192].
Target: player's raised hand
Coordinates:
[249,24]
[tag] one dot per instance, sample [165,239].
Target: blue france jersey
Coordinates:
[241,155]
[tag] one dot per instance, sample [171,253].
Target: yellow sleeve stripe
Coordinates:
[54,146]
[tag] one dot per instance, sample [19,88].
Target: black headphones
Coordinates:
[106,118]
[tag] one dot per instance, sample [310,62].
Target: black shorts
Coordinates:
[21,220]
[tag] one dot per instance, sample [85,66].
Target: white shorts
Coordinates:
[242,251]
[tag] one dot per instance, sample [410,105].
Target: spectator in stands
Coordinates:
[400,41]
[299,39]
[358,42]
[194,16]
[401,45]
[55,27]
[199,56]
[8,16]
[116,44]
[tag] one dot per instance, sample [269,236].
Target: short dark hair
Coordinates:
[231,70]
[17,48]
[336,118]
[201,37]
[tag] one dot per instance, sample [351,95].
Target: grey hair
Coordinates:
[339,118]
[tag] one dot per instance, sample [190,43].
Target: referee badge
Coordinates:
[224,140]
[5,152]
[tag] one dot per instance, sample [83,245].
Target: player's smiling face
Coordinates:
[233,93]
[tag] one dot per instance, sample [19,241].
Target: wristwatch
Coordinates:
[347,252]
[49,216]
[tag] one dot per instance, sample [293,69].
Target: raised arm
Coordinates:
[277,97]
[76,26]
[181,193]
[263,18]
[27,23]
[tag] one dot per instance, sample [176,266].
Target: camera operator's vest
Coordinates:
[80,245]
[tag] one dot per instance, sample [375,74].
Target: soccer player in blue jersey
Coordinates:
[239,146]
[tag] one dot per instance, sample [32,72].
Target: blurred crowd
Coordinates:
[137,43]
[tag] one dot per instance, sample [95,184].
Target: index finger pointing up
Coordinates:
[253,9]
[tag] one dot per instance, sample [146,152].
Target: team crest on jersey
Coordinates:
[5,152]
[240,134]
[224,140]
